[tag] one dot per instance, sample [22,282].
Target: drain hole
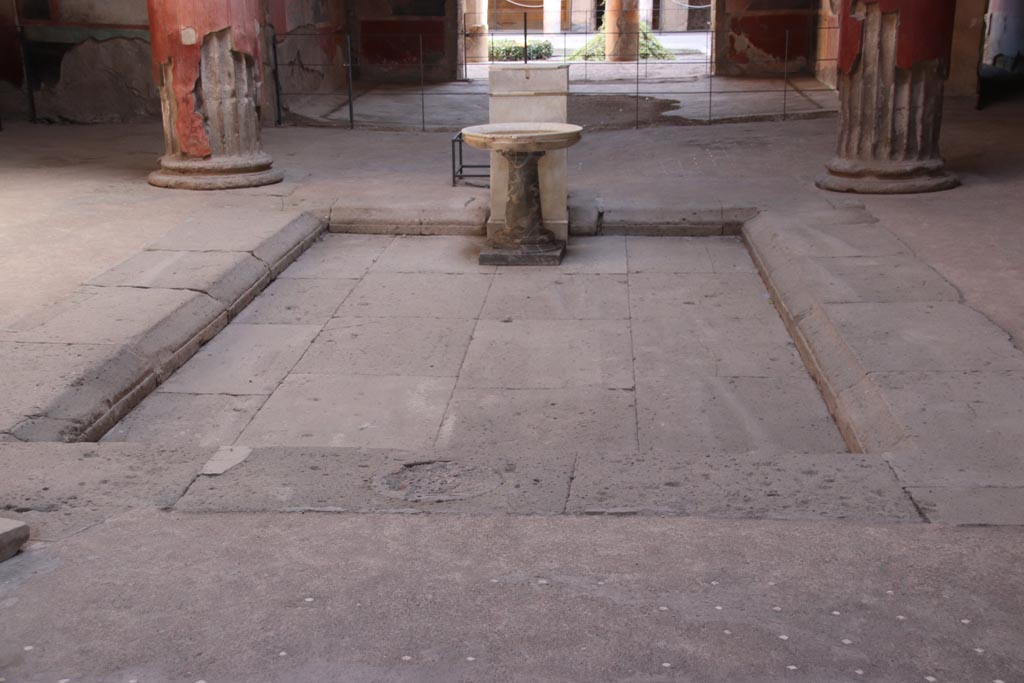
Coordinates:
[434,481]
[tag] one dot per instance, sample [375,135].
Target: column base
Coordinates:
[221,173]
[898,177]
[550,254]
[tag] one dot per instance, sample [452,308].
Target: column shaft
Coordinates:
[622,30]
[209,70]
[893,61]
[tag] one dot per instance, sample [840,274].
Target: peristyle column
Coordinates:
[477,38]
[206,56]
[893,61]
[621,30]
[552,18]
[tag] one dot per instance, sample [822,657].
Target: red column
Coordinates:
[206,57]
[622,30]
[893,61]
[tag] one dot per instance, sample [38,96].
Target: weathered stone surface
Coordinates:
[421,347]
[202,420]
[668,255]
[940,336]
[295,301]
[243,359]
[60,489]
[432,255]
[555,295]
[339,256]
[667,295]
[549,255]
[411,295]
[735,415]
[664,221]
[455,217]
[349,479]
[883,279]
[13,535]
[548,354]
[224,459]
[758,485]
[971,505]
[578,418]
[224,276]
[271,237]
[351,411]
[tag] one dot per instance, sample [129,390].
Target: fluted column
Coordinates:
[208,67]
[621,30]
[893,61]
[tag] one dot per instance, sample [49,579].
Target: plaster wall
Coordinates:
[751,36]
[968,35]
[1004,42]
[389,33]
[117,12]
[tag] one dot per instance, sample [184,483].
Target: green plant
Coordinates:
[511,51]
[650,47]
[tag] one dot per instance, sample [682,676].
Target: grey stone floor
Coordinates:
[645,374]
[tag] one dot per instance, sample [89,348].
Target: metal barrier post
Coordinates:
[785,76]
[526,49]
[277,75]
[351,96]
[423,94]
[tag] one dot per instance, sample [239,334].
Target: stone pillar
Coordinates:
[552,18]
[477,32]
[893,59]
[206,56]
[622,30]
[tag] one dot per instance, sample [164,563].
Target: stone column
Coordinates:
[477,32]
[646,9]
[893,59]
[206,56]
[622,30]
[552,18]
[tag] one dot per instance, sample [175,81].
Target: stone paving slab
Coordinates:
[358,411]
[574,419]
[754,485]
[417,295]
[557,295]
[61,489]
[971,505]
[243,359]
[339,257]
[460,599]
[416,347]
[489,481]
[411,254]
[293,301]
[668,295]
[548,354]
[201,420]
[734,415]
[224,276]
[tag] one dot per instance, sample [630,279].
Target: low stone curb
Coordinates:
[907,369]
[469,218]
[115,339]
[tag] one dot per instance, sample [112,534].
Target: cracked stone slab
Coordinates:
[60,489]
[201,420]
[735,415]
[762,485]
[572,419]
[13,534]
[939,336]
[967,427]
[339,257]
[548,354]
[971,505]
[417,295]
[550,295]
[424,347]
[295,301]
[359,411]
[367,480]
[225,276]
[243,359]
[269,236]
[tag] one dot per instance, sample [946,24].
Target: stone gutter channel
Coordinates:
[909,371]
[86,361]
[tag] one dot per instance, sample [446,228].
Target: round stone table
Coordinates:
[523,241]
